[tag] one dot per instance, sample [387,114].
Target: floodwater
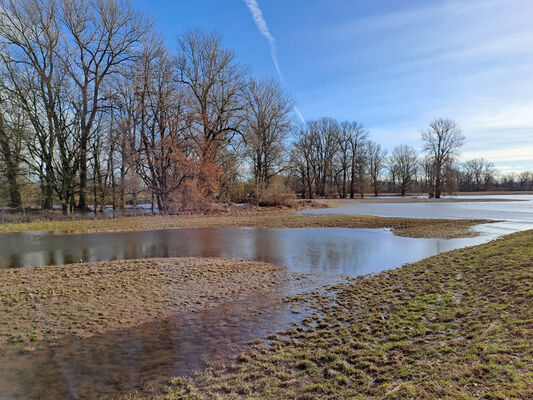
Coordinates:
[126,360]
[517,209]
[328,251]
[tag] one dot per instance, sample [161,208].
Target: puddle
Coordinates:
[144,356]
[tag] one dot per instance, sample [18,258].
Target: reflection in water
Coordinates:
[325,250]
[128,360]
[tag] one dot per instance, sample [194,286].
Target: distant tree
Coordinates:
[442,140]
[525,179]
[376,163]
[392,168]
[405,161]
[323,136]
[302,162]
[427,164]
[357,137]
[476,174]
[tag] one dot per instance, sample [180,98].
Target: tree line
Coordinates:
[96,110]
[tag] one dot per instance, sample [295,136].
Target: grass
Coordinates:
[48,303]
[455,326]
[411,227]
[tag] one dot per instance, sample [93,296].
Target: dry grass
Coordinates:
[455,326]
[412,227]
[86,299]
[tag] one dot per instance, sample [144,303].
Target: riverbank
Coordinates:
[457,325]
[278,219]
[47,303]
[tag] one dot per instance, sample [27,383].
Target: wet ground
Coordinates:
[141,358]
[122,361]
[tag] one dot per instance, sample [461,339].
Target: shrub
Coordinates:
[276,194]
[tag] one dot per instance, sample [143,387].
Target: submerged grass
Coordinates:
[48,303]
[411,227]
[458,325]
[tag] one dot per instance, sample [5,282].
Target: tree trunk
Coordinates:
[438,182]
[15,200]
[82,203]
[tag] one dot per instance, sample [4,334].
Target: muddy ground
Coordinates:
[81,300]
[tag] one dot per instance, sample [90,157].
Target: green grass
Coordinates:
[455,326]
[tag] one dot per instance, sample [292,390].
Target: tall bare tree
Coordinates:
[100,35]
[376,162]
[214,84]
[11,133]
[267,123]
[442,140]
[34,75]
[357,137]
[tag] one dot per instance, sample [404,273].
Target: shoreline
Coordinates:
[407,227]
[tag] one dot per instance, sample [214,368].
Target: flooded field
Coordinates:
[518,209]
[145,356]
[326,250]
[141,357]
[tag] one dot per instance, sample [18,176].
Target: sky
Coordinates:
[392,65]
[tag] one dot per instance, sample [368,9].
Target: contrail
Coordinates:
[261,24]
[300,115]
[259,20]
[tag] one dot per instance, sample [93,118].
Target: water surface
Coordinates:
[518,209]
[330,251]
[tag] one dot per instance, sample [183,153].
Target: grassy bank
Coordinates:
[458,325]
[89,298]
[411,227]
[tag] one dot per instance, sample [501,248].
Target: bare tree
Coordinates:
[357,137]
[10,151]
[405,160]
[214,85]
[267,122]
[427,165]
[442,140]
[162,156]
[33,75]
[302,161]
[376,162]
[476,174]
[323,137]
[100,35]
[351,140]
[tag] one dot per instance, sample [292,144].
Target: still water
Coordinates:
[329,251]
[510,208]
[123,361]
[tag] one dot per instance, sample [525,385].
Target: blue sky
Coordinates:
[391,65]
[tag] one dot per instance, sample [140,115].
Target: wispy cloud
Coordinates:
[261,24]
